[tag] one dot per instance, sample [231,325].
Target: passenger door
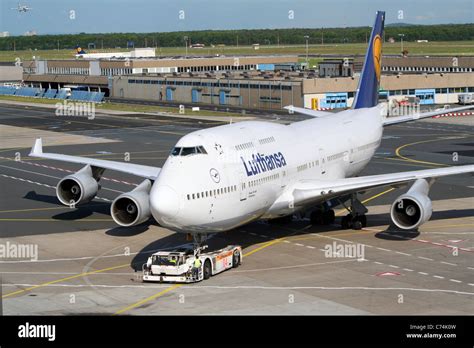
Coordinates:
[322,161]
[243,187]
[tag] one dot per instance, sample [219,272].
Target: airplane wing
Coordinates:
[312,113]
[306,191]
[388,121]
[124,167]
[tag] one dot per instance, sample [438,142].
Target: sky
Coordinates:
[104,16]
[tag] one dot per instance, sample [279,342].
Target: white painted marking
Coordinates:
[455,281]
[423,273]
[378,263]
[383,249]
[399,252]
[298,244]
[449,263]
[393,266]
[439,277]
[408,270]
[425,258]
[247,287]
[95,257]
[310,247]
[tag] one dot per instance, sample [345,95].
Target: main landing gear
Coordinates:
[356,218]
[323,217]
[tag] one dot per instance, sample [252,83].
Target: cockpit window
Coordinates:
[176,151]
[202,150]
[186,151]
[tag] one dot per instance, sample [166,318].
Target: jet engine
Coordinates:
[132,208]
[80,187]
[413,208]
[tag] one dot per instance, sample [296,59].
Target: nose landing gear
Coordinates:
[198,239]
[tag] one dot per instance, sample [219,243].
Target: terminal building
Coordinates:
[97,73]
[261,82]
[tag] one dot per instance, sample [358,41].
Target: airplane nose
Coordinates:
[164,203]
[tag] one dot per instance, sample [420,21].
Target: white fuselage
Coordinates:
[250,168]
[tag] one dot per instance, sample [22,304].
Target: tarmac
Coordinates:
[87,265]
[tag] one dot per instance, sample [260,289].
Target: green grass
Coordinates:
[461,48]
[125,107]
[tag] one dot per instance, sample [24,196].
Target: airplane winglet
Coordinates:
[37,148]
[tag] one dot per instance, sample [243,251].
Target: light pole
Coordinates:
[401,40]
[306,38]
[186,43]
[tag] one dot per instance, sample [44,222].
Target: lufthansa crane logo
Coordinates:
[215,175]
[377,54]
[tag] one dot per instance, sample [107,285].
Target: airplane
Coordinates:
[22,8]
[223,177]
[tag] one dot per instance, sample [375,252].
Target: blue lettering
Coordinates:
[277,161]
[262,160]
[282,159]
[260,163]
[248,172]
[254,167]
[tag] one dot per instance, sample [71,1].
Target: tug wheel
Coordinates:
[207,269]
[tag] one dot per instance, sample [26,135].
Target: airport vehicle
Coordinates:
[22,8]
[466,98]
[177,266]
[246,171]
[68,91]
[410,102]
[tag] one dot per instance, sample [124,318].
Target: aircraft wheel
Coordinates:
[346,222]
[357,225]
[207,269]
[236,259]
[317,218]
[329,217]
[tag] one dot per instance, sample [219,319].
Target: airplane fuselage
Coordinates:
[249,168]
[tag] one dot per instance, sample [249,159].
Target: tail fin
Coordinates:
[79,50]
[368,90]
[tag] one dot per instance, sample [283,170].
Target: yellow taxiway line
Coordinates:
[64,279]
[152,297]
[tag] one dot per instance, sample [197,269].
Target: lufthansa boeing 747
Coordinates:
[223,177]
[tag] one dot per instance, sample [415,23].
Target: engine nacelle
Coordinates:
[80,187]
[413,208]
[132,208]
